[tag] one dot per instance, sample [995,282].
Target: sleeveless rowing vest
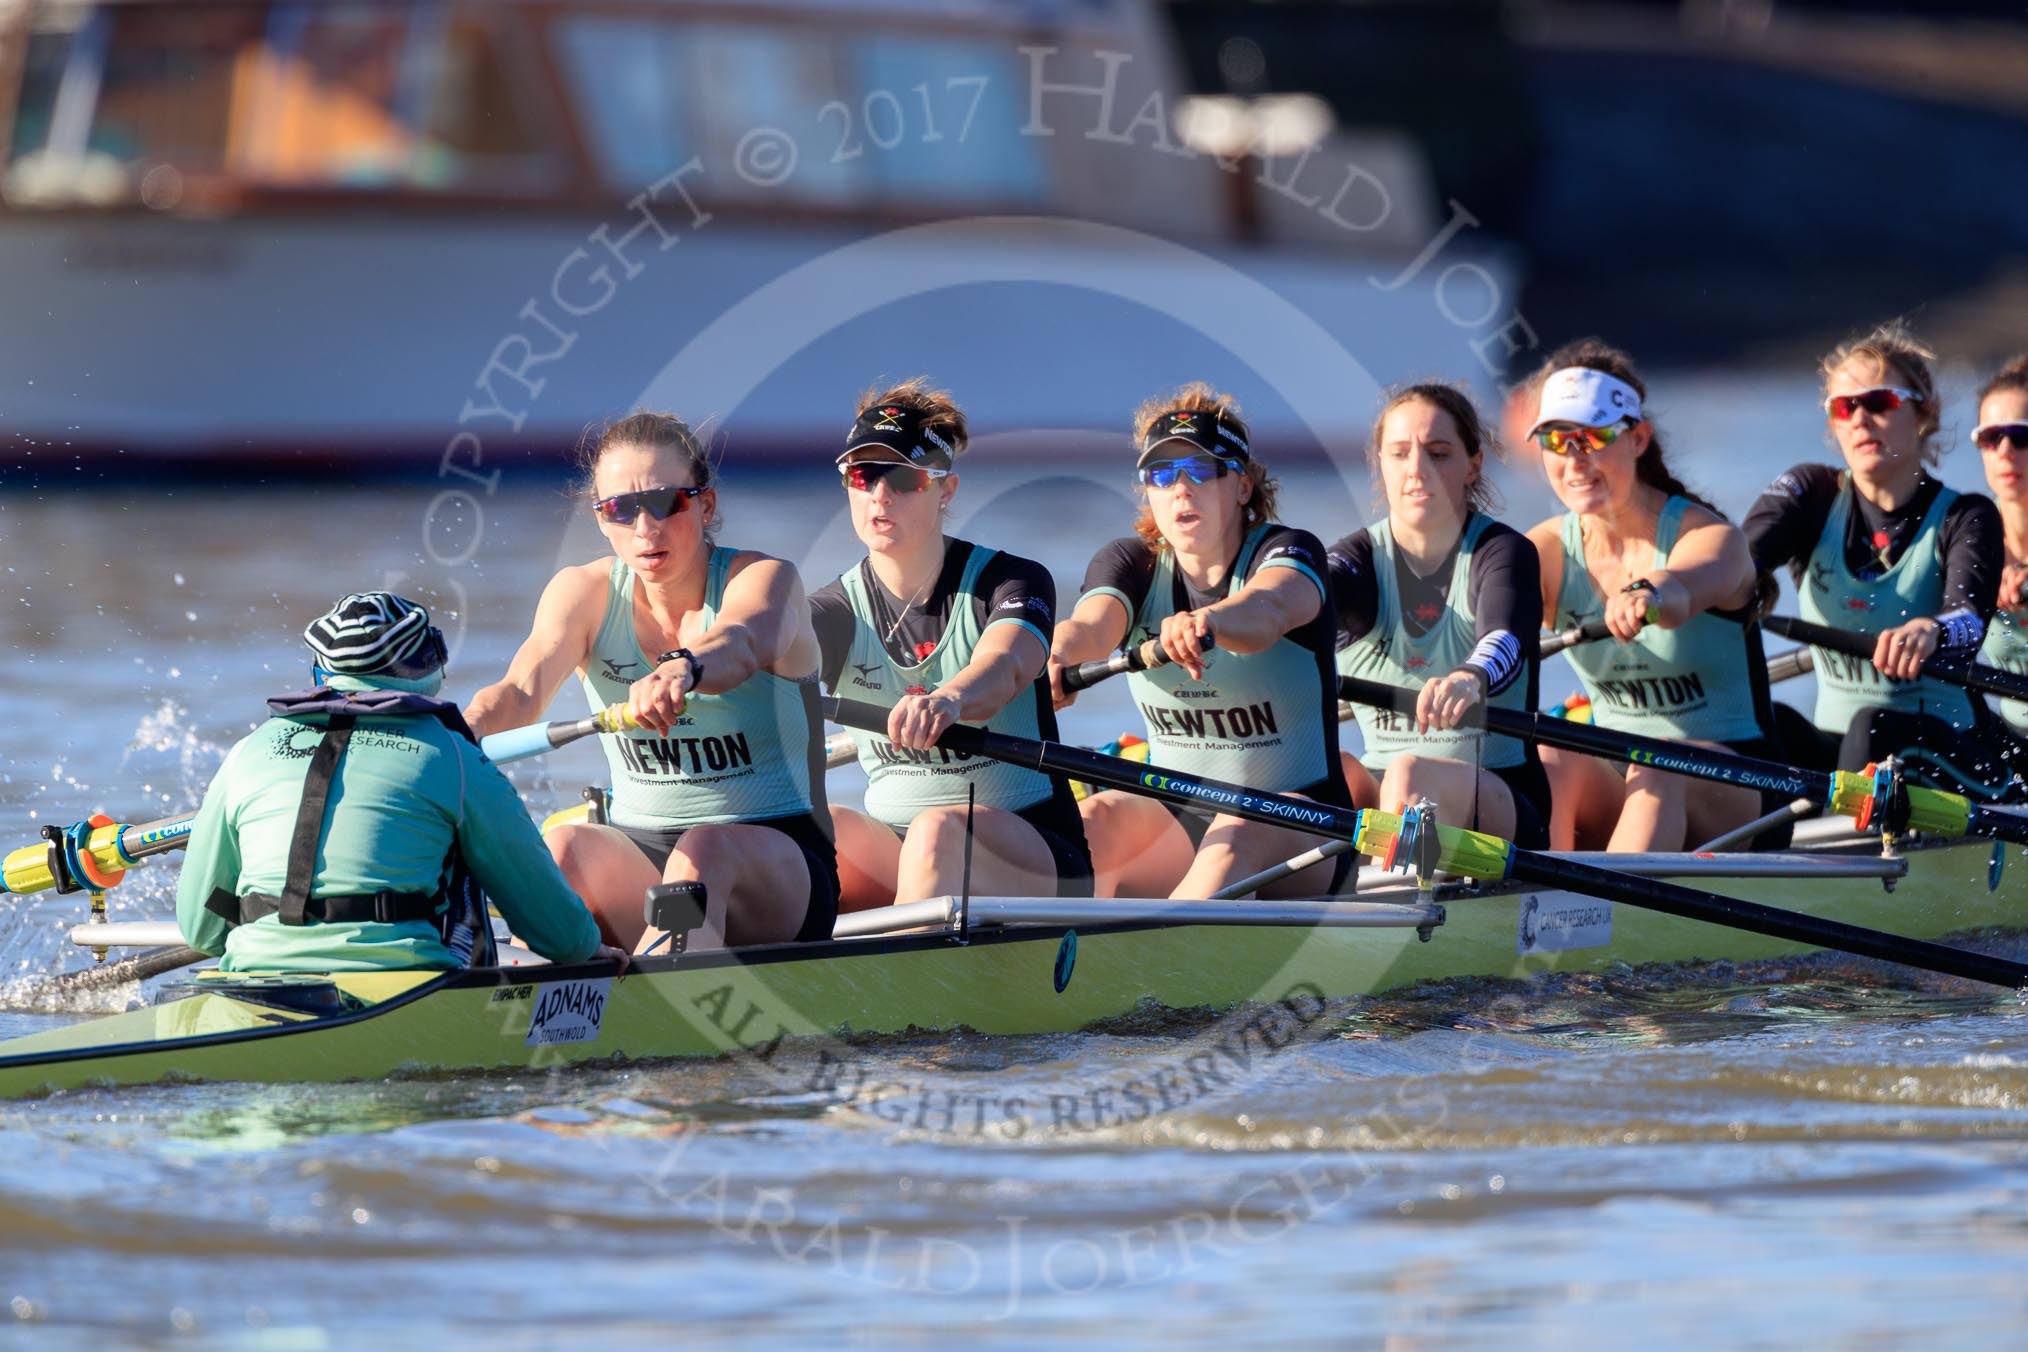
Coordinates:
[1694,681]
[900,783]
[2006,647]
[1830,595]
[1254,719]
[744,755]
[1388,653]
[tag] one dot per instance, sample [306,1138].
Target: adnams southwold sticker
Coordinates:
[568,1011]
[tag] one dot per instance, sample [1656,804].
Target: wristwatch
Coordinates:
[696,667]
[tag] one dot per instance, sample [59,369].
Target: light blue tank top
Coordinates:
[1694,681]
[1830,595]
[1255,718]
[900,783]
[2006,647]
[1388,653]
[745,755]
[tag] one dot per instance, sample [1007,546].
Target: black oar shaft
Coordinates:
[1952,671]
[1726,767]
[1324,819]
[1816,931]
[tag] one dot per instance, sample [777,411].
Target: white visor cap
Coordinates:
[1578,394]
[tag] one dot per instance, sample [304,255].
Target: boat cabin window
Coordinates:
[109,88]
[405,96]
[801,113]
[322,96]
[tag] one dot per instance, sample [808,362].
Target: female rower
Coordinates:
[1884,549]
[940,631]
[2002,439]
[1675,584]
[1249,692]
[722,783]
[1441,596]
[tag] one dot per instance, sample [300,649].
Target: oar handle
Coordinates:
[520,743]
[1791,664]
[1589,632]
[1951,670]
[1141,657]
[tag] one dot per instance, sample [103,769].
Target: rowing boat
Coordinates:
[997,966]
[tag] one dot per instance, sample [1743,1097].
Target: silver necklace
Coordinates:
[909,604]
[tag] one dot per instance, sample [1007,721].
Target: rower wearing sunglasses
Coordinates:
[2002,439]
[1247,690]
[939,631]
[711,650]
[1442,598]
[1676,586]
[1883,548]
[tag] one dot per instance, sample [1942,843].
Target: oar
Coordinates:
[1866,796]
[140,967]
[1470,854]
[1950,670]
[1146,656]
[108,847]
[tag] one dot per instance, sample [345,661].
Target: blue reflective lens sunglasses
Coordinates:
[1162,473]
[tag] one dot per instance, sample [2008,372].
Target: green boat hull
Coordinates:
[1018,980]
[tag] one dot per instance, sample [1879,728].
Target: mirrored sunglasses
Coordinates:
[660,503]
[1199,470]
[899,478]
[1988,436]
[1884,399]
[1589,440]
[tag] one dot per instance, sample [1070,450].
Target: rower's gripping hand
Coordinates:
[1185,638]
[1442,704]
[658,699]
[1899,653]
[917,720]
[1061,696]
[2014,587]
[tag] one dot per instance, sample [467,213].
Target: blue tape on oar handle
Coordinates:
[516,743]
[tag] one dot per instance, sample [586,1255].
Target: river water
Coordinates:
[1818,1152]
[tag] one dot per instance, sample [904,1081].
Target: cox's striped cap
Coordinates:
[1218,435]
[376,634]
